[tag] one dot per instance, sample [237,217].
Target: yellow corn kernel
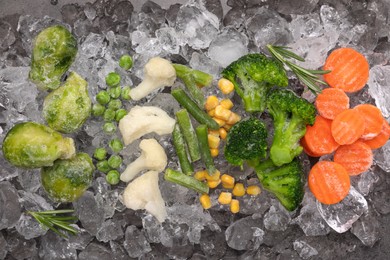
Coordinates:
[214,152]
[227,127]
[213,184]
[211,112]
[222,113]
[205,201]
[220,122]
[200,175]
[213,140]
[253,190]
[211,102]
[226,86]
[213,132]
[234,118]
[238,190]
[234,206]
[227,181]
[225,198]
[226,103]
[222,133]
[215,177]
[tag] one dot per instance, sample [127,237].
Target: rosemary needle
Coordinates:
[307,77]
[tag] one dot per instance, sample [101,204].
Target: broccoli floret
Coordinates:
[252,76]
[290,115]
[285,182]
[246,141]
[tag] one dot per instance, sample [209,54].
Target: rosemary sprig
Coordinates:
[56,222]
[307,77]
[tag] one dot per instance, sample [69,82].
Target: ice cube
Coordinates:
[3,246]
[95,251]
[366,228]
[30,180]
[288,7]
[9,205]
[304,249]
[80,240]
[109,230]
[53,246]
[245,234]
[7,36]
[135,242]
[29,228]
[277,218]
[364,182]
[152,228]
[213,244]
[382,157]
[117,251]
[168,39]
[19,247]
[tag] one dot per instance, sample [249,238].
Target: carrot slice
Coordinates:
[373,120]
[318,138]
[331,102]
[329,182]
[381,139]
[356,158]
[349,70]
[348,126]
[307,150]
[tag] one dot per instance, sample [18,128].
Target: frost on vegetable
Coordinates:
[143,120]
[68,107]
[144,193]
[32,145]
[54,50]
[152,157]
[158,73]
[68,179]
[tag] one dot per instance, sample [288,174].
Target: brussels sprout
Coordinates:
[54,50]
[66,108]
[32,145]
[67,180]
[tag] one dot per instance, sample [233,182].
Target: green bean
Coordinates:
[180,148]
[188,131]
[186,181]
[202,134]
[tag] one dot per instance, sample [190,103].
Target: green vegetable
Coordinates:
[125,93]
[290,115]
[114,161]
[98,109]
[54,50]
[112,177]
[109,127]
[109,115]
[253,75]
[68,179]
[100,154]
[181,151]
[115,92]
[116,145]
[119,114]
[186,181]
[52,220]
[103,166]
[202,134]
[103,97]
[285,182]
[200,115]
[188,131]
[32,145]
[68,107]
[246,141]
[113,79]
[126,62]
[114,104]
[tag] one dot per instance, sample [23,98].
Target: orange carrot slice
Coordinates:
[307,150]
[349,70]
[373,120]
[356,158]
[318,138]
[329,182]
[331,102]
[348,126]
[381,139]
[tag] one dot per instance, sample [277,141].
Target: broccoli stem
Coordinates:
[186,181]
[201,78]
[180,147]
[201,116]
[201,132]
[188,131]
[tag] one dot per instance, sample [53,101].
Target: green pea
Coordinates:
[109,128]
[109,115]
[103,166]
[100,154]
[114,104]
[125,94]
[115,92]
[126,62]
[119,114]
[98,109]
[113,79]
[114,161]
[116,145]
[112,177]
[103,97]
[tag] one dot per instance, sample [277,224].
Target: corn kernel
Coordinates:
[238,190]
[205,201]
[222,113]
[226,103]
[225,198]
[213,184]
[213,140]
[222,133]
[215,177]
[227,181]
[211,102]
[211,112]
[214,152]
[234,118]
[253,190]
[227,127]
[200,175]
[213,132]
[226,86]
[220,122]
[234,206]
